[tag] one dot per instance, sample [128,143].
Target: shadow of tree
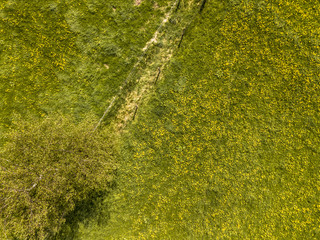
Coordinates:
[94,208]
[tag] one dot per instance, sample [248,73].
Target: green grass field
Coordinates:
[226,146]
[69,57]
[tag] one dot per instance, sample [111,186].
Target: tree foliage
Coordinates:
[47,167]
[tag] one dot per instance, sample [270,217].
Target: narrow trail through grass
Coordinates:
[156,54]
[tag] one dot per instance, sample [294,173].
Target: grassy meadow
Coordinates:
[227,144]
[69,56]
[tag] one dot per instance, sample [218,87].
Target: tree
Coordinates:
[46,168]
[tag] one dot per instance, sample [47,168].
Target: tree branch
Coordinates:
[34,185]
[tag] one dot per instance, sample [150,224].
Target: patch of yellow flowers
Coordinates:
[237,154]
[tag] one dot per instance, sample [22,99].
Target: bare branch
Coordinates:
[34,185]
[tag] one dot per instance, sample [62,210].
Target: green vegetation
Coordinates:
[69,56]
[226,146]
[47,169]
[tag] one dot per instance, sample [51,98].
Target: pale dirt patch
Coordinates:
[143,87]
[145,83]
[137,2]
[154,39]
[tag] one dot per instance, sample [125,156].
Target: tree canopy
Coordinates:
[47,167]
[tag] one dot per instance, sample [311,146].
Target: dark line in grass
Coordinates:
[159,71]
[135,112]
[202,5]
[178,6]
[184,31]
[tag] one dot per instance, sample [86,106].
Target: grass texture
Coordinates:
[228,145]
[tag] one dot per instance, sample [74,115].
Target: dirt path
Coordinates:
[156,54]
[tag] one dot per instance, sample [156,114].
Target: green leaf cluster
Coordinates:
[47,167]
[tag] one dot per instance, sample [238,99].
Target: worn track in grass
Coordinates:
[155,55]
